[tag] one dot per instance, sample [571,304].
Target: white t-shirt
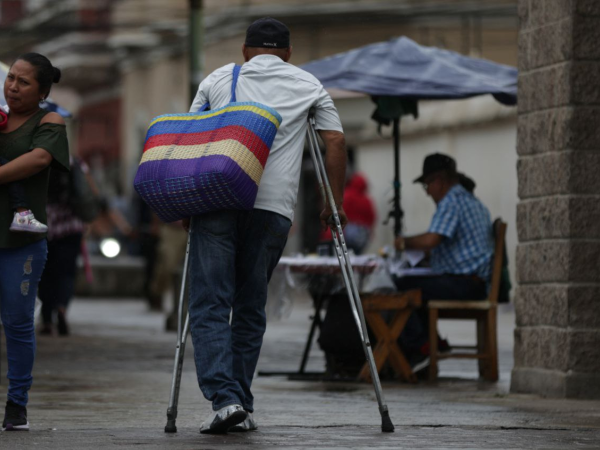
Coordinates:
[291,91]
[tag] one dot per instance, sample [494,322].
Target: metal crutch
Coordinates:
[346,269]
[180,347]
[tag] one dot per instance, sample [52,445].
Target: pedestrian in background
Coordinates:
[233,253]
[169,258]
[33,141]
[146,231]
[361,213]
[65,233]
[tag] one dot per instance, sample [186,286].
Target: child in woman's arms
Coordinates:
[24,221]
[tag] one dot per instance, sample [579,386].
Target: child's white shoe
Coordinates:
[25,222]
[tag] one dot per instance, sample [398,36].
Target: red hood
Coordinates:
[357,183]
[357,204]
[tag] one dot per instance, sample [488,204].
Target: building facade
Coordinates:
[558,257]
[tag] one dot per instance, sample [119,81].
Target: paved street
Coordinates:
[107,386]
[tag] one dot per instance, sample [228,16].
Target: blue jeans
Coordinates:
[20,272]
[232,257]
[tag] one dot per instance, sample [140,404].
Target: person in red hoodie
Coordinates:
[360,212]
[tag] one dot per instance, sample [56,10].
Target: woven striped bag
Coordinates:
[208,160]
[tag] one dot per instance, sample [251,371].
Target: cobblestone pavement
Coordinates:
[107,386]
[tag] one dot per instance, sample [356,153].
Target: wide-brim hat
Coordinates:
[436,163]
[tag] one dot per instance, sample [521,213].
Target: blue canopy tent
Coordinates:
[399,72]
[48,104]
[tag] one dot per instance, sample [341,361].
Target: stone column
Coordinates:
[557,339]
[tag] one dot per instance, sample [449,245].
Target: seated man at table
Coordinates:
[460,243]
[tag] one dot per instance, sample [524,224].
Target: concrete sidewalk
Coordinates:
[107,386]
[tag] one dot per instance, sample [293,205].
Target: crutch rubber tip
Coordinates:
[170,427]
[386,423]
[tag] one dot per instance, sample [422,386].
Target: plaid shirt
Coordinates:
[468,245]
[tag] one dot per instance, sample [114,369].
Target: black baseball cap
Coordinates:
[436,163]
[267,33]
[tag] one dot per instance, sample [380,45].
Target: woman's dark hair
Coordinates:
[46,73]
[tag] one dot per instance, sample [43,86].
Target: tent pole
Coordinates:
[397,210]
[196,36]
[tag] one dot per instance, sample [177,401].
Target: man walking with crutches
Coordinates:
[233,253]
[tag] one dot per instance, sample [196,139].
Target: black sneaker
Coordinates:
[63,327]
[419,362]
[417,359]
[444,346]
[15,418]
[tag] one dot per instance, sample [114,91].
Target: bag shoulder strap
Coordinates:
[236,74]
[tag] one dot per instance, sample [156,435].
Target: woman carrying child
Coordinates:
[32,141]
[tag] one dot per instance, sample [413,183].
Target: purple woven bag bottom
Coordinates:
[185,196]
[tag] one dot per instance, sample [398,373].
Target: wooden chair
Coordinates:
[386,349]
[484,312]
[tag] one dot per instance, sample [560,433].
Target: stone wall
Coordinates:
[557,339]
